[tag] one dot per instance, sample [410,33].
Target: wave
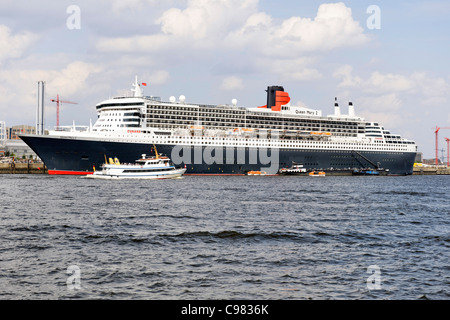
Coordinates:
[404,193]
[232,235]
[204,236]
[236,235]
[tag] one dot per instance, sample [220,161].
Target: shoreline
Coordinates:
[40,168]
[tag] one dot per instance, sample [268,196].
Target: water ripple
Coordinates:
[225,238]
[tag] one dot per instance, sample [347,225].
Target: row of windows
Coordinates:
[109,105]
[218,113]
[147,170]
[187,125]
[244,142]
[120,120]
[295,123]
[231,123]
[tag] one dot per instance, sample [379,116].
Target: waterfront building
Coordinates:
[2,134]
[14,131]
[19,149]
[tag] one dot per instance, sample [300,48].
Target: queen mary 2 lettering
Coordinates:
[224,139]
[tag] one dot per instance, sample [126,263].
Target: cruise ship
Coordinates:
[224,139]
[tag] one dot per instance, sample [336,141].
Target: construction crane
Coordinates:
[437,142]
[448,151]
[58,102]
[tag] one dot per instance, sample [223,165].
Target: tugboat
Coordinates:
[153,167]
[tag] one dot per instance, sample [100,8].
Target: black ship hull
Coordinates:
[77,156]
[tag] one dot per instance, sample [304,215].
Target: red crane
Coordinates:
[57,108]
[448,151]
[437,142]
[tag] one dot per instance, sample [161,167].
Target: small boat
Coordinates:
[365,172]
[295,169]
[147,167]
[256,173]
[317,174]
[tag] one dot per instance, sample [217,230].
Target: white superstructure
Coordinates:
[144,119]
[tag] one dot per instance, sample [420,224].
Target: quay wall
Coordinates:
[40,168]
[431,171]
[23,168]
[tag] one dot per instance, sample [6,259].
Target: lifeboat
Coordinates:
[317,174]
[317,133]
[256,173]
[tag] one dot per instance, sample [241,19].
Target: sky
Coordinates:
[390,58]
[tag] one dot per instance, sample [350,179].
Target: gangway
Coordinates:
[376,166]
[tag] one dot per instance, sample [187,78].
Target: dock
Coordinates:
[428,171]
[40,168]
[23,168]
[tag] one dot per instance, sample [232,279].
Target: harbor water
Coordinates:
[288,238]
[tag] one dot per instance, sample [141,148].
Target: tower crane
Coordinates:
[437,142]
[58,102]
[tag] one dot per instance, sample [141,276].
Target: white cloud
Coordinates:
[298,69]
[333,27]
[158,77]
[435,90]
[147,43]
[386,109]
[379,83]
[232,83]
[258,24]
[389,120]
[385,103]
[205,18]
[211,27]
[14,46]
[427,90]
[119,5]
[307,74]
[71,80]
[347,79]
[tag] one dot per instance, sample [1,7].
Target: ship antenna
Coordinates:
[136,88]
